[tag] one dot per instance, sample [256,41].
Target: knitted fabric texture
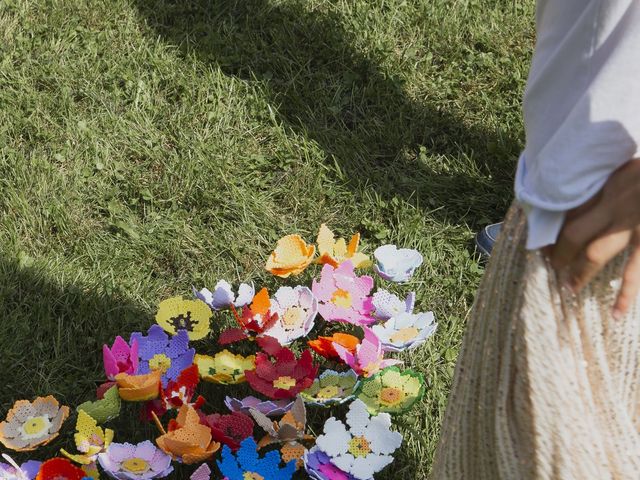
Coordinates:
[547,384]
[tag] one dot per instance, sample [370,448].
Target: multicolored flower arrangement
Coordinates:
[351,329]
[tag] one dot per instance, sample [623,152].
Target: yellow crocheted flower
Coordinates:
[31,424]
[334,252]
[90,439]
[224,367]
[290,257]
[176,314]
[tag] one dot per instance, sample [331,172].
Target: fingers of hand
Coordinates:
[630,281]
[595,256]
[576,235]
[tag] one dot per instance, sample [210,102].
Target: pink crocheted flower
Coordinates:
[120,358]
[343,296]
[368,357]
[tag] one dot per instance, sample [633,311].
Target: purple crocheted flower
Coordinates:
[271,408]
[12,471]
[158,352]
[144,461]
[319,467]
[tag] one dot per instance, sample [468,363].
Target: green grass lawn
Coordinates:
[150,145]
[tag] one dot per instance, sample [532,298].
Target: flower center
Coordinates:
[342,298]
[35,427]
[285,383]
[293,317]
[252,476]
[160,362]
[359,447]
[135,465]
[330,391]
[391,396]
[183,322]
[404,335]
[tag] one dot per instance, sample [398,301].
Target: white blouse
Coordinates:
[581,107]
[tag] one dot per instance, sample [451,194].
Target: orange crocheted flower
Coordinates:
[139,388]
[290,257]
[187,439]
[324,345]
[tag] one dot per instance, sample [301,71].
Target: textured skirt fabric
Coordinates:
[547,384]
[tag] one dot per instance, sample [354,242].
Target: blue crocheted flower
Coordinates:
[158,352]
[247,461]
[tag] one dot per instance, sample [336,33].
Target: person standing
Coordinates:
[547,384]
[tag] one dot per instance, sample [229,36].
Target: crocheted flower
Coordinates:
[139,388]
[253,321]
[223,296]
[396,264]
[368,358]
[290,257]
[319,467]
[176,314]
[279,374]
[296,309]
[31,424]
[120,358]
[125,461]
[343,295]
[12,471]
[225,367]
[271,408]
[405,331]
[159,353]
[229,429]
[391,390]
[331,388]
[362,448]
[334,252]
[60,469]
[247,465]
[187,440]
[105,409]
[90,440]
[290,431]
[203,472]
[325,345]
[177,394]
[387,305]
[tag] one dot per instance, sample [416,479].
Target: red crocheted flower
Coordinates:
[254,321]
[229,429]
[177,393]
[279,374]
[324,345]
[60,469]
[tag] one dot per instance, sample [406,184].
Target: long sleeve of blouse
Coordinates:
[581,107]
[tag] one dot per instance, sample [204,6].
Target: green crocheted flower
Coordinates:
[331,388]
[391,390]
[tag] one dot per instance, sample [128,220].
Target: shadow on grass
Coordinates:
[51,338]
[326,89]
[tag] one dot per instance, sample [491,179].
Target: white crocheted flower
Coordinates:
[387,304]
[297,309]
[365,446]
[223,296]
[405,331]
[396,264]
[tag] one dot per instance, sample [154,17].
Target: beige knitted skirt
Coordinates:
[547,384]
